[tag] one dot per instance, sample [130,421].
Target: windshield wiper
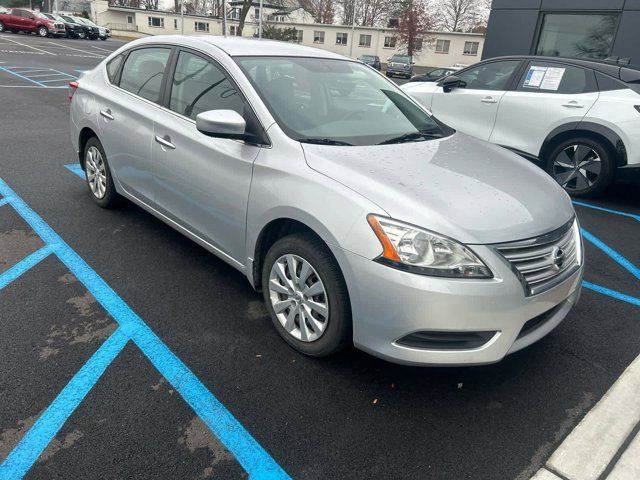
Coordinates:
[325,141]
[411,137]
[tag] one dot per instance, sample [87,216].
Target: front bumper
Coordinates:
[399,71]
[389,304]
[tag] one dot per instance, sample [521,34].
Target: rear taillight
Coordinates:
[73,86]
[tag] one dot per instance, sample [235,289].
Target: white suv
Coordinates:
[579,119]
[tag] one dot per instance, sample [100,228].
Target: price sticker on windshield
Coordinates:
[544,78]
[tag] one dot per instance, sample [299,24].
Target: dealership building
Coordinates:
[566,28]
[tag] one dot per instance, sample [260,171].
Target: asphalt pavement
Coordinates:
[349,416]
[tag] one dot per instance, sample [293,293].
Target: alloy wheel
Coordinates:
[43,32]
[298,298]
[96,172]
[1,27]
[577,167]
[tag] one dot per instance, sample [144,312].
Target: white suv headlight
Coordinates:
[419,251]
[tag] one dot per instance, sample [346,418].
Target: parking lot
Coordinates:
[128,351]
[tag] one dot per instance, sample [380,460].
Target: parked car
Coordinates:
[372,60]
[103,33]
[400,66]
[434,75]
[361,218]
[95,31]
[23,20]
[73,30]
[578,119]
[83,31]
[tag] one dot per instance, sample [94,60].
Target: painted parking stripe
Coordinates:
[612,293]
[22,266]
[25,454]
[635,271]
[59,45]
[249,454]
[8,70]
[608,210]
[75,168]
[29,46]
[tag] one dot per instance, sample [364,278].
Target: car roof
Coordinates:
[243,46]
[626,73]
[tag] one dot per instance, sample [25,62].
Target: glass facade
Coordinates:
[577,35]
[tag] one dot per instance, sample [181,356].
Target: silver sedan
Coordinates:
[361,218]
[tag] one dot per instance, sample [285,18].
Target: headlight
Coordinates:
[419,251]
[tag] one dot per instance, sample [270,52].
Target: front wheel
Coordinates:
[98,175]
[306,295]
[81,35]
[43,32]
[582,166]
[1,27]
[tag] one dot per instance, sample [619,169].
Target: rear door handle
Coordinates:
[489,100]
[107,114]
[165,142]
[573,105]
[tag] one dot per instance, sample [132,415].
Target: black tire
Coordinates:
[338,331]
[587,183]
[1,27]
[111,198]
[103,38]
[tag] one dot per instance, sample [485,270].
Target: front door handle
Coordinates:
[107,114]
[489,100]
[165,142]
[573,105]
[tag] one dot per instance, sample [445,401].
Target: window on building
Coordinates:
[341,38]
[234,31]
[442,46]
[202,27]
[390,42]
[417,44]
[365,41]
[157,22]
[471,48]
[234,14]
[129,18]
[175,23]
[577,35]
[143,71]
[299,35]
[318,36]
[256,14]
[199,85]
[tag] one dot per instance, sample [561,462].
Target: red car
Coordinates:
[20,19]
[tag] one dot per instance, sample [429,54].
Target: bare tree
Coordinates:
[415,21]
[462,15]
[322,11]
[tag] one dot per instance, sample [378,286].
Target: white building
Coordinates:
[439,49]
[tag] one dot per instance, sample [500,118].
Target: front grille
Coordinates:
[542,263]
[60,26]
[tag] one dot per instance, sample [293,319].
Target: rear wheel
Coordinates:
[98,175]
[81,35]
[1,27]
[582,166]
[43,32]
[306,295]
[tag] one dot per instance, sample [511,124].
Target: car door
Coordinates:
[473,107]
[202,183]
[127,111]
[29,21]
[18,19]
[548,95]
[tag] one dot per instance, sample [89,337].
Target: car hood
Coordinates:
[457,186]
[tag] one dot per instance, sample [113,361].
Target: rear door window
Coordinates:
[551,77]
[143,72]
[113,66]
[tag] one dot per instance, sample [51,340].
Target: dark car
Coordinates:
[82,30]
[434,75]
[400,66]
[94,30]
[72,29]
[372,60]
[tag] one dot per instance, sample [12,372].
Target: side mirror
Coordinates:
[451,82]
[222,124]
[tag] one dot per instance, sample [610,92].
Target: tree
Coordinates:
[321,10]
[414,22]
[287,34]
[463,15]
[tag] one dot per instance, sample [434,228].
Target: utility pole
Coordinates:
[181,15]
[353,30]
[224,18]
[260,21]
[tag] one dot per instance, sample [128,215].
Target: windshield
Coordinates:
[88,22]
[401,59]
[328,101]
[68,19]
[40,15]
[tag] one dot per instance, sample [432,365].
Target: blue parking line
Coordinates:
[75,168]
[635,271]
[23,265]
[27,451]
[612,293]
[608,210]
[22,76]
[249,454]
[3,201]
